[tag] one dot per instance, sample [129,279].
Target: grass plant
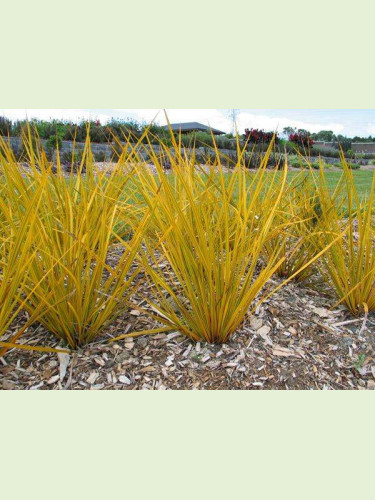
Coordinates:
[349,265]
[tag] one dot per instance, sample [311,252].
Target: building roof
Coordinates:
[193,127]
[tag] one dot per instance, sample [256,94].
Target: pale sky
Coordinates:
[348,122]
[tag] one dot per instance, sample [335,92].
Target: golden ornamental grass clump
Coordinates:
[16,256]
[349,264]
[19,203]
[69,280]
[205,270]
[295,225]
[213,257]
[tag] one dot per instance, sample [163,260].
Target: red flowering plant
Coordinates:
[257,136]
[301,139]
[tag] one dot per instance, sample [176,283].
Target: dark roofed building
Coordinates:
[187,128]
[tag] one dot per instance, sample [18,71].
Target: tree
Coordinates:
[5,126]
[302,131]
[289,130]
[344,143]
[323,135]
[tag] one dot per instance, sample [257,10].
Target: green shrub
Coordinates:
[122,129]
[204,139]
[299,162]
[100,157]
[72,160]
[53,142]
[352,166]
[294,162]
[330,153]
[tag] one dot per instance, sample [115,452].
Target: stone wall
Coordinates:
[357,147]
[67,146]
[107,149]
[364,147]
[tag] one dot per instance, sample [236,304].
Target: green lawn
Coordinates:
[362,179]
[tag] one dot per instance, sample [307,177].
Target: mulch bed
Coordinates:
[293,341]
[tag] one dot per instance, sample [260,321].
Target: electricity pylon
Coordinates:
[233,113]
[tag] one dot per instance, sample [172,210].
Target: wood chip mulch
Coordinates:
[293,341]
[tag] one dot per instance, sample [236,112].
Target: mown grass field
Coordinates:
[362,179]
